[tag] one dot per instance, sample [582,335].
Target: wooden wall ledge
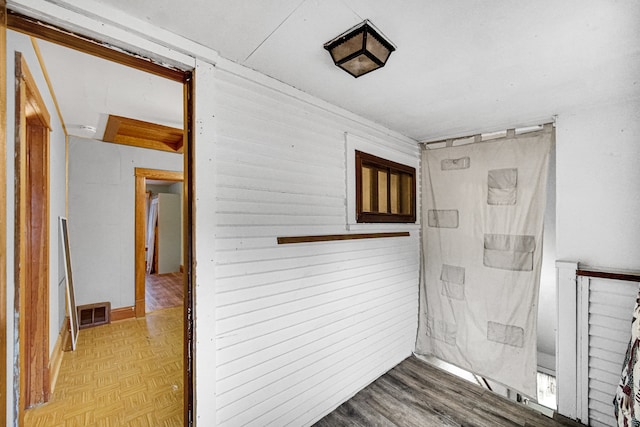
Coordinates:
[614,275]
[334,237]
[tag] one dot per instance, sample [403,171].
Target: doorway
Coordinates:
[142,176]
[50,33]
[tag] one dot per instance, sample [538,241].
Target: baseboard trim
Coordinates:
[55,361]
[122,313]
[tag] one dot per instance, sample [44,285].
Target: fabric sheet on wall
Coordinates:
[483,211]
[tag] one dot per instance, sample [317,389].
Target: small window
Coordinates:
[385,190]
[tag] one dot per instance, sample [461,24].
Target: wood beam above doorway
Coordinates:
[138,133]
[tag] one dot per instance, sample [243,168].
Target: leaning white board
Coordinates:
[71,301]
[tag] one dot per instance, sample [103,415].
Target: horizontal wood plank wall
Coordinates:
[300,328]
[611,304]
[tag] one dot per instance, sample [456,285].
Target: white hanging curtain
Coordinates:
[482,223]
[152,219]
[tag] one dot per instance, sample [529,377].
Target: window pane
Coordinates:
[407,189]
[395,193]
[367,177]
[382,192]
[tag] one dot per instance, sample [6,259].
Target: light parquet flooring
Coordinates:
[416,394]
[127,373]
[163,291]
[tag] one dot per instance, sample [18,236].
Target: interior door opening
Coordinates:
[158,240]
[51,34]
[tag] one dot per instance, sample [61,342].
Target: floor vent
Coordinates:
[90,315]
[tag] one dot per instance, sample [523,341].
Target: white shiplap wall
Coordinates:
[300,328]
[611,304]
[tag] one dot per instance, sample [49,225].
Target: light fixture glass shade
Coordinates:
[360,50]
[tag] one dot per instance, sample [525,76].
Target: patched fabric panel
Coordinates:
[442,331]
[453,290]
[452,278]
[514,261]
[510,242]
[443,218]
[453,274]
[509,252]
[455,285]
[503,186]
[455,164]
[505,334]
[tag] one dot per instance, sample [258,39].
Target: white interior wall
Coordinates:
[169,233]
[598,198]
[173,189]
[298,328]
[101,216]
[598,185]
[17,42]
[577,165]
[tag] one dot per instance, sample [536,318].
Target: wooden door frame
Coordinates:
[33,321]
[3,213]
[42,30]
[142,174]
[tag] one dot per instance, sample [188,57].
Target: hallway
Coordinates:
[163,291]
[123,373]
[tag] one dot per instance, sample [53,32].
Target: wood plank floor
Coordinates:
[163,291]
[415,393]
[127,373]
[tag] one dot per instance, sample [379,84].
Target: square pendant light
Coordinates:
[360,49]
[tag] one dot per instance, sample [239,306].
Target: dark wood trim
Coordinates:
[32,238]
[188,207]
[3,212]
[629,277]
[379,164]
[33,27]
[335,237]
[122,313]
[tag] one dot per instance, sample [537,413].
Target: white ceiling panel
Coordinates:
[461,66]
[88,89]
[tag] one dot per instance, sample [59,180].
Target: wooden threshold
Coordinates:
[335,237]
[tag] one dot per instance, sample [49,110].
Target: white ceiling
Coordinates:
[88,89]
[461,66]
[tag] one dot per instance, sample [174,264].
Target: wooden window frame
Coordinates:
[380,164]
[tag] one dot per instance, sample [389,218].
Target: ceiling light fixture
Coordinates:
[360,49]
